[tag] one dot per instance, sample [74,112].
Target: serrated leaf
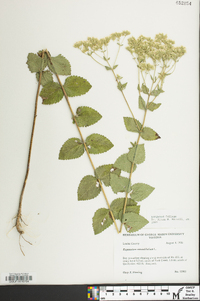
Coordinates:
[153,106]
[86,116]
[51,93]
[103,173]
[124,164]
[46,77]
[101,220]
[156,92]
[145,90]
[118,204]
[76,86]
[134,222]
[119,184]
[149,134]
[88,188]
[35,63]
[140,191]
[132,125]
[132,208]
[129,209]
[137,154]
[142,104]
[60,65]
[97,144]
[73,148]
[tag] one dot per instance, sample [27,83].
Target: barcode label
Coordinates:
[18,278]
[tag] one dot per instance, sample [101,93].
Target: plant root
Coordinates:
[20,230]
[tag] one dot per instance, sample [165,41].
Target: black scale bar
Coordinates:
[138,289]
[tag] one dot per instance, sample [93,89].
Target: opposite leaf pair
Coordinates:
[53,92]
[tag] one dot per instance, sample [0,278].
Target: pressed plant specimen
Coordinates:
[46,68]
[155,60]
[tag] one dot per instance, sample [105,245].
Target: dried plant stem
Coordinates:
[133,163]
[85,146]
[19,219]
[138,140]
[140,129]
[123,95]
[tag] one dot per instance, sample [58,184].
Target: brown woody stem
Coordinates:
[19,219]
[85,146]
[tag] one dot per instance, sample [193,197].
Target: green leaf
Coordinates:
[45,58]
[145,90]
[149,134]
[97,144]
[142,104]
[73,148]
[51,93]
[45,78]
[133,208]
[86,116]
[132,125]
[124,164]
[156,92]
[119,77]
[153,106]
[121,86]
[88,188]
[129,209]
[137,154]
[118,204]
[134,222]
[60,65]
[107,68]
[119,184]
[115,66]
[140,191]
[76,86]
[35,63]
[101,220]
[103,173]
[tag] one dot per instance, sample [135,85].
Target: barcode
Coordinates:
[21,277]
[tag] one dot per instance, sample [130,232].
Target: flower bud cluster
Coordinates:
[93,44]
[160,49]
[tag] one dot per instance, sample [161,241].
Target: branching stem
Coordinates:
[133,163]
[83,141]
[123,95]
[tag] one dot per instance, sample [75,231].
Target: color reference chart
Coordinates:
[93,293]
[131,293]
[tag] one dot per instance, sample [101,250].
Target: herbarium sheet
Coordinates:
[99,141]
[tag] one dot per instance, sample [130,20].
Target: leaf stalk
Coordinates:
[85,146]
